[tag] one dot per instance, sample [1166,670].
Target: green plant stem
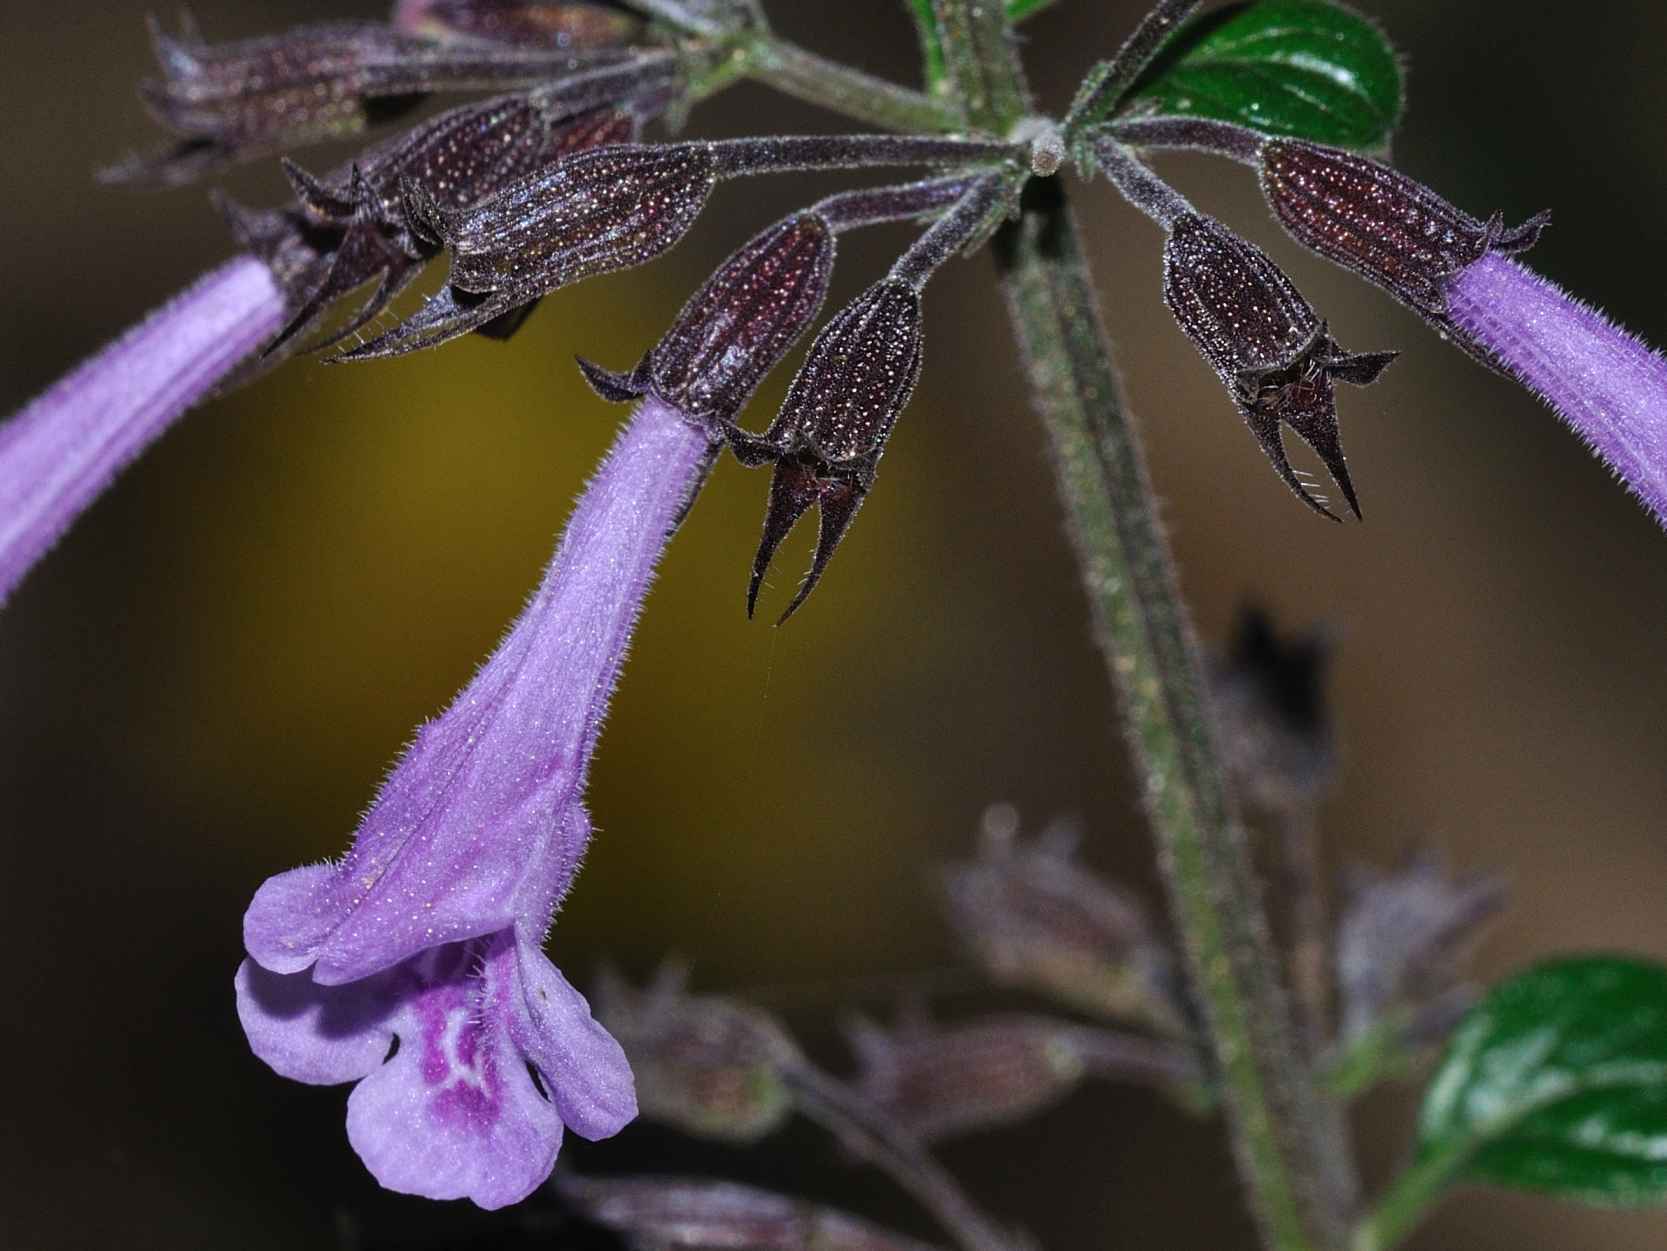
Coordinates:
[1408,1201]
[1285,1133]
[979,60]
[806,76]
[1301,1194]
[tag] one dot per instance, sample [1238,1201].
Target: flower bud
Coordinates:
[832,429]
[248,98]
[940,1081]
[1403,939]
[1036,918]
[738,326]
[457,158]
[522,23]
[1266,343]
[668,1212]
[710,1066]
[1384,226]
[597,211]
[300,86]
[1268,694]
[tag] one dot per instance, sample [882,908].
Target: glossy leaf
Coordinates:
[1557,1082]
[1284,67]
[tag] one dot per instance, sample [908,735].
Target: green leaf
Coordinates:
[1284,67]
[1557,1082]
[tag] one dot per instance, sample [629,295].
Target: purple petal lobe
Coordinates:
[1605,384]
[320,1035]
[63,448]
[290,917]
[583,1067]
[455,1114]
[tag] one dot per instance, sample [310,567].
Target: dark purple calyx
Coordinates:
[737,327]
[1383,225]
[521,23]
[255,97]
[456,159]
[593,212]
[831,432]
[1267,345]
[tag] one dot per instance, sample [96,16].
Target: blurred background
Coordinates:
[204,683]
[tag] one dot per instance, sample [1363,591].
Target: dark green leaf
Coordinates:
[1284,67]
[1557,1082]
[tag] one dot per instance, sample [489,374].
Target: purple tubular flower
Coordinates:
[1455,271]
[65,446]
[1606,385]
[430,930]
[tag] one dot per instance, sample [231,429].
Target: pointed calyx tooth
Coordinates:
[613,386]
[1386,227]
[833,426]
[1266,344]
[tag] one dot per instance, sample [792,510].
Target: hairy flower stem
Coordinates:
[978,51]
[784,154]
[870,1132]
[1299,1184]
[804,75]
[1111,80]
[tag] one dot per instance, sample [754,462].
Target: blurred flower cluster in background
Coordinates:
[200,688]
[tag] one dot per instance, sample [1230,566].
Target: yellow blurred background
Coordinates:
[204,683]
